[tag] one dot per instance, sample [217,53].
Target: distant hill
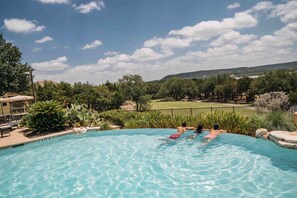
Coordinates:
[239,71]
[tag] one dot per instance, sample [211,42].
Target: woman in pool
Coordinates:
[198,131]
[213,133]
[180,130]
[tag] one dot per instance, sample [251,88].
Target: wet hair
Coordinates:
[216,127]
[199,128]
[184,124]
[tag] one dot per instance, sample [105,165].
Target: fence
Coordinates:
[195,111]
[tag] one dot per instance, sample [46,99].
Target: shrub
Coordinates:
[118,117]
[278,120]
[273,101]
[105,126]
[47,116]
[79,115]
[293,97]
[232,122]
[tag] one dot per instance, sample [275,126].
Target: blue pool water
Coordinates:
[136,163]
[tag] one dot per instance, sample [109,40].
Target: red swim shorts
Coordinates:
[174,136]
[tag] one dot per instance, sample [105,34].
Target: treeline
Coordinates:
[97,97]
[223,88]
[220,88]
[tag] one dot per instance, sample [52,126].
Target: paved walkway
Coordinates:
[16,137]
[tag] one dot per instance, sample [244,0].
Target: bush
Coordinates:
[46,116]
[273,101]
[118,117]
[105,126]
[278,120]
[79,115]
[232,122]
[293,97]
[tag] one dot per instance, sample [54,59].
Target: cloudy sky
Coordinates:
[96,41]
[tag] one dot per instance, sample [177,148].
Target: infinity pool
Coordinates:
[136,163]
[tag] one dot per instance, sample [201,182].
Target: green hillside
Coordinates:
[239,71]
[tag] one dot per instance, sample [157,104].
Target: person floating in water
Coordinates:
[180,130]
[197,132]
[213,133]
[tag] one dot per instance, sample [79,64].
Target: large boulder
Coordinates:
[260,132]
[284,138]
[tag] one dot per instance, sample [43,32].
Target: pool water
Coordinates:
[138,163]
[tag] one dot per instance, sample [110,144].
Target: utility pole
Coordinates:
[32,84]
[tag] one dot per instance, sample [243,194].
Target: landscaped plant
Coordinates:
[105,126]
[118,117]
[273,101]
[79,115]
[278,120]
[231,121]
[293,97]
[47,116]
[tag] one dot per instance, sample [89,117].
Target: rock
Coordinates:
[260,132]
[284,138]
[80,130]
[295,118]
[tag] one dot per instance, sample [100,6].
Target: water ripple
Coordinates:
[142,165]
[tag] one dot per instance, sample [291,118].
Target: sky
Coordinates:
[95,41]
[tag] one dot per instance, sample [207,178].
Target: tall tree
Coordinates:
[13,74]
[132,87]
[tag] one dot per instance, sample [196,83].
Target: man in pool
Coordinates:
[197,132]
[213,133]
[180,130]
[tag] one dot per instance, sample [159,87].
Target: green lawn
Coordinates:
[188,108]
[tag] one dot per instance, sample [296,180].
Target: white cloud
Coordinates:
[233,37]
[261,6]
[44,39]
[287,12]
[208,29]
[86,8]
[279,40]
[22,26]
[93,45]
[54,1]
[233,6]
[37,49]
[111,53]
[170,42]
[147,54]
[206,45]
[53,65]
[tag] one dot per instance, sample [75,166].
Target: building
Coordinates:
[15,104]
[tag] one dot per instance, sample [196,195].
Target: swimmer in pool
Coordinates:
[213,133]
[197,132]
[180,130]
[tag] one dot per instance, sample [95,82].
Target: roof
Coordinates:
[16,98]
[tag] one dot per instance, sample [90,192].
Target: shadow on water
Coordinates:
[282,158]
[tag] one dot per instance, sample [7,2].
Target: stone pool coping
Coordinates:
[17,138]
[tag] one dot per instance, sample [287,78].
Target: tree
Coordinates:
[13,74]
[273,101]
[244,87]
[132,87]
[173,87]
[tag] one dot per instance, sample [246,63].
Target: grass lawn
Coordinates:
[188,108]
